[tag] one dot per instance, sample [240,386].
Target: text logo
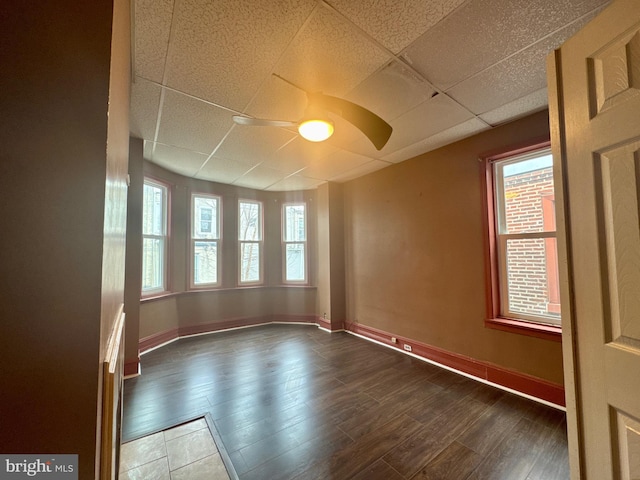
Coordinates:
[49,467]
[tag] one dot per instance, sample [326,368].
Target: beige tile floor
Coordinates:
[186,452]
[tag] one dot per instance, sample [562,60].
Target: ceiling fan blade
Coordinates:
[374,127]
[260,122]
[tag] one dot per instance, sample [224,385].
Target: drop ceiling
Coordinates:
[436,70]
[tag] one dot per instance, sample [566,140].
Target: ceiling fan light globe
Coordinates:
[316,130]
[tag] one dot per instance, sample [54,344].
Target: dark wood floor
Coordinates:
[296,402]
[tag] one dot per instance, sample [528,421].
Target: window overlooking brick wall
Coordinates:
[529,208]
[522,257]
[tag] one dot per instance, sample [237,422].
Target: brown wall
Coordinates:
[324,253]
[415,254]
[185,309]
[133,274]
[57,165]
[330,242]
[400,250]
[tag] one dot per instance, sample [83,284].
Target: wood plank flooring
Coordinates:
[294,402]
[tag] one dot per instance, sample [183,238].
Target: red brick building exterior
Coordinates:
[529,207]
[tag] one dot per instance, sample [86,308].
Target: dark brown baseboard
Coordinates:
[322,323]
[224,325]
[159,338]
[156,339]
[520,382]
[132,367]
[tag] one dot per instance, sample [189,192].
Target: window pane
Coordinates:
[294,223]
[249,262]
[153,210]
[249,222]
[532,271]
[205,217]
[526,184]
[152,261]
[205,262]
[295,262]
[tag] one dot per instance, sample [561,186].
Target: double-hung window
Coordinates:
[294,242]
[522,238]
[154,237]
[205,240]
[250,241]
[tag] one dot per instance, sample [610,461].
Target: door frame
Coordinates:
[565,270]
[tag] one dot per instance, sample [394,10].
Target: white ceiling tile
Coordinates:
[178,160]
[369,167]
[151,37]
[334,165]
[298,154]
[345,134]
[222,170]
[531,103]
[395,23]
[512,78]
[428,118]
[482,32]
[440,139]
[277,100]
[391,91]
[189,123]
[330,56]
[259,178]
[295,182]
[147,149]
[225,52]
[253,145]
[145,99]
[222,51]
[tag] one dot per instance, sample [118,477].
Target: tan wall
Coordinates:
[187,308]
[324,252]
[57,165]
[330,242]
[413,257]
[158,316]
[211,307]
[336,236]
[415,254]
[133,275]
[115,195]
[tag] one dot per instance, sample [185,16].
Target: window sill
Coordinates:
[546,332]
[157,296]
[222,290]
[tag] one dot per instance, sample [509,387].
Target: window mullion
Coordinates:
[528,235]
[503,273]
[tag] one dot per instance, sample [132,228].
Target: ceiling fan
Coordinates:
[316,125]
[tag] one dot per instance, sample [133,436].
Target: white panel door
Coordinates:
[595,118]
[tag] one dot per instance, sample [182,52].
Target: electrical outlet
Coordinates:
[394,340]
[407,347]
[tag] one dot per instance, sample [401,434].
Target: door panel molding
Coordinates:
[594,87]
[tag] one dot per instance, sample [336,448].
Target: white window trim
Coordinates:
[193,239]
[305,281]
[164,238]
[259,242]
